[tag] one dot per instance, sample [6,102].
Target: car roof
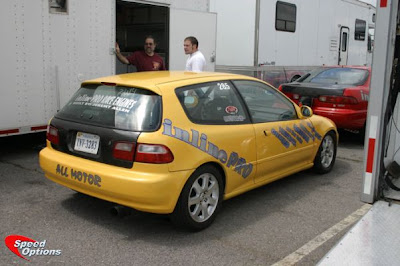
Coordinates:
[151,79]
[347,66]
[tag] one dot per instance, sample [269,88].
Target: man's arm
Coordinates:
[198,64]
[120,56]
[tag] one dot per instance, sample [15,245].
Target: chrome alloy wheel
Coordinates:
[328,150]
[203,197]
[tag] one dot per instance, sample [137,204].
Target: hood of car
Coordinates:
[313,89]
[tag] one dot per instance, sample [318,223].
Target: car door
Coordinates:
[284,142]
[219,127]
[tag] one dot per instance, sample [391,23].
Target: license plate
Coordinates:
[87,142]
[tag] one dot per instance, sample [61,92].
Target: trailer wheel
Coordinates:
[325,158]
[200,199]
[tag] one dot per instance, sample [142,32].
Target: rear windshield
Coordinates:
[117,107]
[340,76]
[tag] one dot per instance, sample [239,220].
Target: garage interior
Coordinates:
[135,21]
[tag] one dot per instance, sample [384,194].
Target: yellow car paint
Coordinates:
[248,155]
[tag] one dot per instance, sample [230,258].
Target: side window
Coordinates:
[359,33]
[344,42]
[265,103]
[58,6]
[214,103]
[285,17]
[371,36]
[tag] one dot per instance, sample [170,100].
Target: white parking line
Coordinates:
[322,238]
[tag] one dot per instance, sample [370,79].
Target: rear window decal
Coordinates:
[118,103]
[234,161]
[233,118]
[232,110]
[223,86]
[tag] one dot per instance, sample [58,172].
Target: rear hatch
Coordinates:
[327,87]
[305,93]
[102,122]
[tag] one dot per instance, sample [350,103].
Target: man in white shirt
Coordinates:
[196,61]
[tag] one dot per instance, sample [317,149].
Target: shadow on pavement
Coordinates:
[35,141]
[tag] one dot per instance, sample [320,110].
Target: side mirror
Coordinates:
[306,111]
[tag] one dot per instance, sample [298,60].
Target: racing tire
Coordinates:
[326,156]
[200,199]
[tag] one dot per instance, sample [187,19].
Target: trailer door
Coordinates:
[344,43]
[184,23]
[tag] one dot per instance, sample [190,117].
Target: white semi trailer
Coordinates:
[51,46]
[293,32]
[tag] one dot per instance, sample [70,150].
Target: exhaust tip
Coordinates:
[120,211]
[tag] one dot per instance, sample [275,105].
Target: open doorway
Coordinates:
[135,21]
[343,45]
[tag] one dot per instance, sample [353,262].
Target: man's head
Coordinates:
[190,45]
[149,45]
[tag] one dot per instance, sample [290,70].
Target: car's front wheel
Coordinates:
[200,199]
[325,158]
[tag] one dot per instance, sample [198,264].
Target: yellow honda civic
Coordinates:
[179,143]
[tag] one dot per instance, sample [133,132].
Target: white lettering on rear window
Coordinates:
[119,103]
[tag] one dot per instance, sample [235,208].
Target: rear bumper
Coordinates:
[344,118]
[150,188]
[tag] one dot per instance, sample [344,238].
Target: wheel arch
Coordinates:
[216,165]
[335,134]
[181,216]
[318,164]
[220,170]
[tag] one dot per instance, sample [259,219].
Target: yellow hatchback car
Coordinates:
[179,143]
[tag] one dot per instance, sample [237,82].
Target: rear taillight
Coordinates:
[52,135]
[337,99]
[293,96]
[280,88]
[124,150]
[153,153]
[288,94]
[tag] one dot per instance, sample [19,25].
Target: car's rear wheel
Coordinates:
[325,158]
[200,199]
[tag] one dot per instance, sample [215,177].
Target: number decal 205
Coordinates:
[223,86]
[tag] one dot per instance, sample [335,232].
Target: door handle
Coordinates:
[266,133]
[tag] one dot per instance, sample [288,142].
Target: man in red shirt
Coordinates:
[146,60]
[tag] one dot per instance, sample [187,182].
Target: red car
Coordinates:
[339,93]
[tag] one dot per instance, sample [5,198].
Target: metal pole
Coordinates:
[256,33]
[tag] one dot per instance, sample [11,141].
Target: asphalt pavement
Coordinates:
[260,227]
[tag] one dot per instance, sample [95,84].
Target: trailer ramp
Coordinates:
[374,240]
